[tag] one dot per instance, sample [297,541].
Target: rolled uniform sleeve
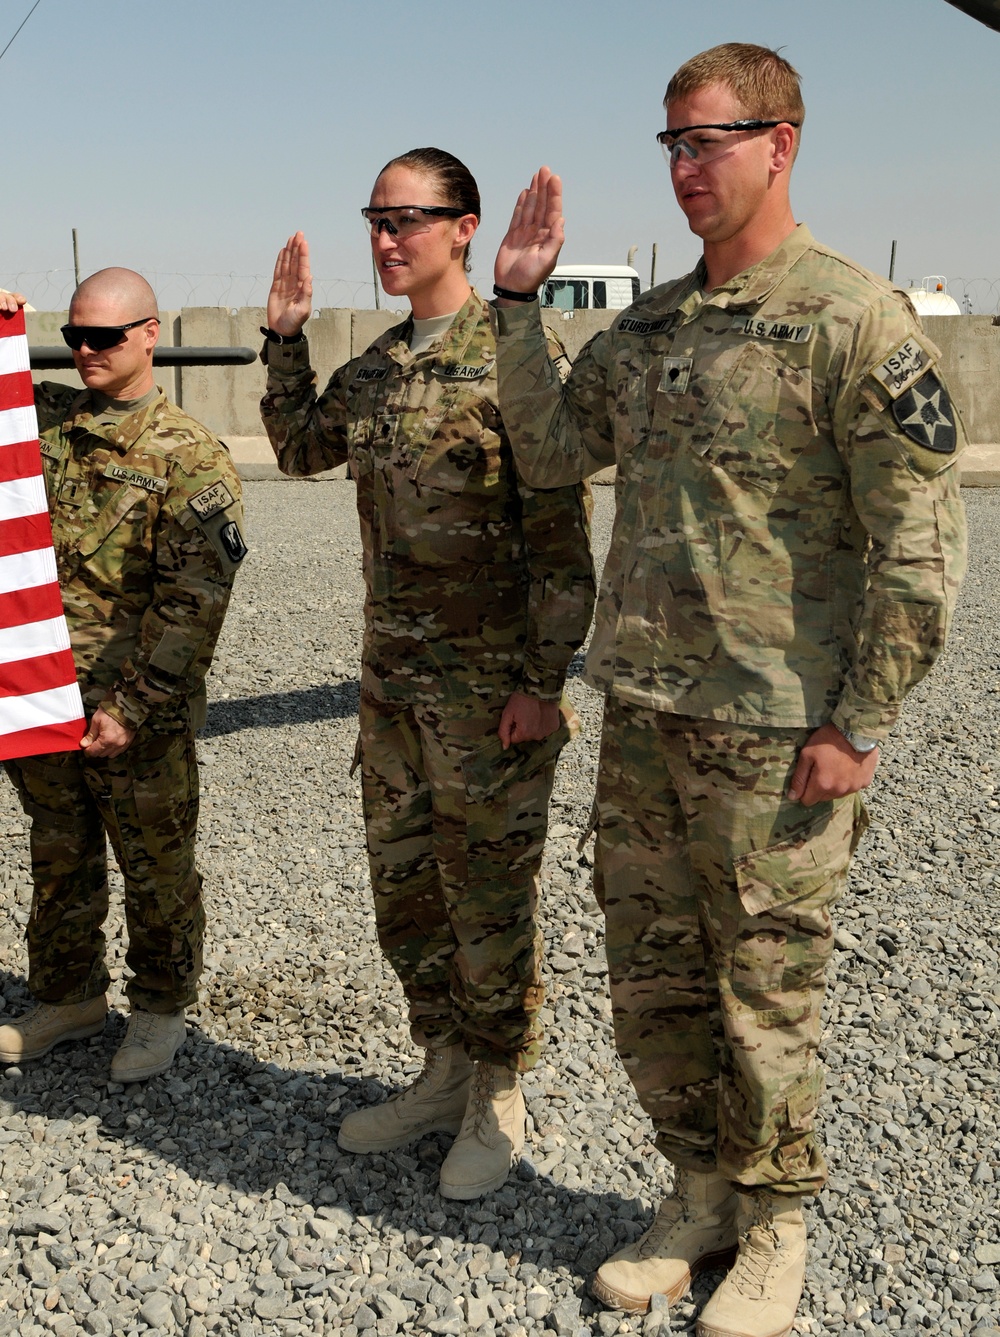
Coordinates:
[308,432]
[900,435]
[198,548]
[560,432]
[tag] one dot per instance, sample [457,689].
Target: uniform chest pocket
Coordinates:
[452,446]
[758,421]
[126,503]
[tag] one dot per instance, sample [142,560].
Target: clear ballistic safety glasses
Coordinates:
[407,220]
[704,143]
[99,337]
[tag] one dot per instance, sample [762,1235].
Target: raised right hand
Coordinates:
[289,303]
[529,251]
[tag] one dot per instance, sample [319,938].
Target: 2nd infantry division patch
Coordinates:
[925,414]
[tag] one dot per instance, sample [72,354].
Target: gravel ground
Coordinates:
[214,1199]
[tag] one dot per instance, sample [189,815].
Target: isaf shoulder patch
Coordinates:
[925,414]
[903,366]
[210,500]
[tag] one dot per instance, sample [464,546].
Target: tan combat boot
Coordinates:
[151,1042]
[695,1229]
[434,1103]
[491,1136]
[760,1295]
[46,1024]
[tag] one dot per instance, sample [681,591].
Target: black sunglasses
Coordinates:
[99,337]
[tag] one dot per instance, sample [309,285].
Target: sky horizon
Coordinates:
[211,129]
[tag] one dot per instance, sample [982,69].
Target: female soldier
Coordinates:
[478,591]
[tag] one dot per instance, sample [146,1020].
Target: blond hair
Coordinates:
[763,83]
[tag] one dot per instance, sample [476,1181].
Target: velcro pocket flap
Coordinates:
[492,767]
[111,515]
[786,872]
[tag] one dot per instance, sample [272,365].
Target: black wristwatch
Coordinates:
[273,337]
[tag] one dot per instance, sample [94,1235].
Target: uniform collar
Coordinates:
[122,434]
[458,344]
[755,285]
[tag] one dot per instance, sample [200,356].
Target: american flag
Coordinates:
[40,705]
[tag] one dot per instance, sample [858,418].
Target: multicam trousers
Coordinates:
[717,892]
[146,800]
[456,826]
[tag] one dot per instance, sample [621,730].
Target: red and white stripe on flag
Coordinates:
[41,709]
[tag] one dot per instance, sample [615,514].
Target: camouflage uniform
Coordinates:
[146,521]
[477,586]
[787,547]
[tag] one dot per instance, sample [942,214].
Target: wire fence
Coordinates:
[51,289]
[979,296]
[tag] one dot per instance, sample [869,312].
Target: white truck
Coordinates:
[589,287]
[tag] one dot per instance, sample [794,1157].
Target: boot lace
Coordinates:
[479,1098]
[37,1018]
[141,1028]
[432,1059]
[671,1212]
[759,1249]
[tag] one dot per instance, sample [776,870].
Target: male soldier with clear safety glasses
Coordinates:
[787,548]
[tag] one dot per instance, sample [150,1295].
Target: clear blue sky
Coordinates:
[187,138]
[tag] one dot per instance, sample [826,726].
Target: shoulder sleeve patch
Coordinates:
[233,542]
[210,500]
[904,365]
[924,413]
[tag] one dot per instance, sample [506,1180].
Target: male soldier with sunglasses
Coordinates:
[787,547]
[146,521]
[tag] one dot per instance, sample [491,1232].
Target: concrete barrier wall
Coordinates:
[226,399]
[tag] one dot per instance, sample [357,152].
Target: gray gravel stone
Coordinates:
[217,1193]
[157,1311]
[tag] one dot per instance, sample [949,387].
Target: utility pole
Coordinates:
[76,260]
[892,262]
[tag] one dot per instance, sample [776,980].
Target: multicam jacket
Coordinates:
[476,583]
[146,521]
[789,536]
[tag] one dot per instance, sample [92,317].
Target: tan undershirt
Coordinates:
[110,410]
[427,332]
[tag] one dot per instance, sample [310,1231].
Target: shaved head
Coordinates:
[114,298]
[121,291]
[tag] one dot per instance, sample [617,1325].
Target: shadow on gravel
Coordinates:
[275,709]
[222,1117]
[575,669]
